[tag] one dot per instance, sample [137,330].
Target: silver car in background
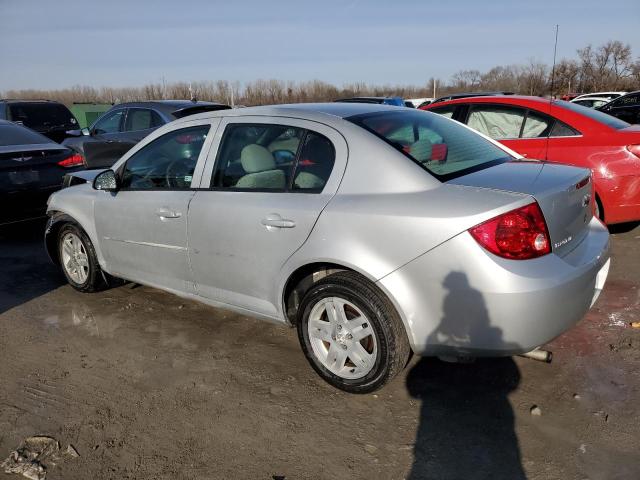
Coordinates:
[374,230]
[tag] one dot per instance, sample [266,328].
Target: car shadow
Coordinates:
[25,269]
[466,426]
[623,227]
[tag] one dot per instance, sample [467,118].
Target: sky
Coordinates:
[60,43]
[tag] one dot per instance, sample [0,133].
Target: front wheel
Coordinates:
[78,260]
[351,334]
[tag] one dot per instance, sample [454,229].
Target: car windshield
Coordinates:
[42,116]
[16,135]
[443,147]
[596,115]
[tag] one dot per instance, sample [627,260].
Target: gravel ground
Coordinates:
[147,386]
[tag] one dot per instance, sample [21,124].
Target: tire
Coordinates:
[81,270]
[345,315]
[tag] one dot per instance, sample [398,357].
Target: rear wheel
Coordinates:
[351,334]
[78,260]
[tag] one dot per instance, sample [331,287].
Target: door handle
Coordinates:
[165,213]
[274,220]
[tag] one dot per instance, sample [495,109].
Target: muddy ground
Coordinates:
[147,386]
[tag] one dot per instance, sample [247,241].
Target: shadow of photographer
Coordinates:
[466,428]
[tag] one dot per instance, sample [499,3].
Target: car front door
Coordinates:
[104,139]
[261,194]
[142,228]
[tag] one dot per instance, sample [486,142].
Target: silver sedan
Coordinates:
[374,230]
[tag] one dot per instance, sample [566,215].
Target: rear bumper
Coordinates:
[460,299]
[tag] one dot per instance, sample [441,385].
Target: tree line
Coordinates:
[610,66]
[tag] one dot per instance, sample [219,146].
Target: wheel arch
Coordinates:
[56,221]
[300,280]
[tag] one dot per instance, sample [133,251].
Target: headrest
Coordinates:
[256,158]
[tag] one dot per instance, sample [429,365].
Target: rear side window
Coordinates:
[596,115]
[275,158]
[315,163]
[444,148]
[256,157]
[142,119]
[496,121]
[536,125]
[42,115]
[561,129]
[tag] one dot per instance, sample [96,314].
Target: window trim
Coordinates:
[288,188]
[120,170]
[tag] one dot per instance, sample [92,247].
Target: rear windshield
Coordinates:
[596,115]
[42,116]
[443,147]
[16,135]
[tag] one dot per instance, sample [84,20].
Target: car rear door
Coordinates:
[261,194]
[142,228]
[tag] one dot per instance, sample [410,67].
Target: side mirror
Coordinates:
[85,131]
[107,181]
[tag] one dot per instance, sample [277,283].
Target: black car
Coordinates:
[31,168]
[51,119]
[626,107]
[455,96]
[125,124]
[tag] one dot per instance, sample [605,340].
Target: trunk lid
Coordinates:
[31,167]
[564,194]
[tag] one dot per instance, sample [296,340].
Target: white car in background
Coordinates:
[591,102]
[607,95]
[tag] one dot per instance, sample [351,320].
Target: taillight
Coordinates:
[519,234]
[635,149]
[74,160]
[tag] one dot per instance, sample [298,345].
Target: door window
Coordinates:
[110,123]
[167,162]
[496,122]
[314,165]
[142,119]
[536,125]
[257,157]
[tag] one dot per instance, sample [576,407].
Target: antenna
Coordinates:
[553,77]
[553,68]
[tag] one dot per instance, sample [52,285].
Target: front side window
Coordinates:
[445,149]
[142,119]
[496,121]
[258,157]
[110,123]
[167,162]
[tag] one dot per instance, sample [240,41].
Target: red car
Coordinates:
[563,132]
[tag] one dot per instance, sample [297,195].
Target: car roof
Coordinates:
[329,112]
[17,100]
[168,106]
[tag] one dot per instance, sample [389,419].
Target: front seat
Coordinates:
[261,169]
